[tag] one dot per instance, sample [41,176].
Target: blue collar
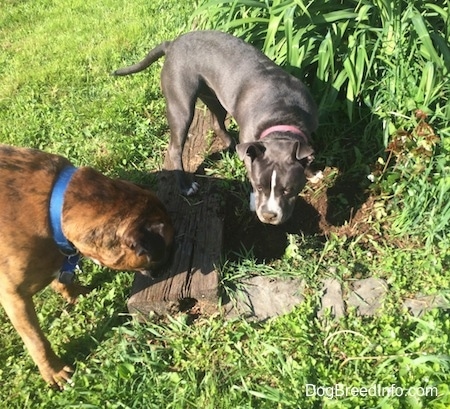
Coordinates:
[55,212]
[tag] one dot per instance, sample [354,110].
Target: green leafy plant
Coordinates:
[346,47]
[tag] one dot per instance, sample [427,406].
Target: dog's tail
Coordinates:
[155,54]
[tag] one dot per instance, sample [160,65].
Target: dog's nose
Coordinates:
[270,216]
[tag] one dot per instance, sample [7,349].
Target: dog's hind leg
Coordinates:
[179,122]
[180,105]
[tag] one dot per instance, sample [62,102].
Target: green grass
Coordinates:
[56,94]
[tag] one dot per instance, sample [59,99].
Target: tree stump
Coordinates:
[191,280]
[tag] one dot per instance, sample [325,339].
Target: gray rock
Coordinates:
[367,295]
[332,298]
[262,298]
[423,303]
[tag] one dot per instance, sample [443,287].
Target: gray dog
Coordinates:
[274,110]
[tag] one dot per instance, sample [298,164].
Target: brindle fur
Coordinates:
[114,222]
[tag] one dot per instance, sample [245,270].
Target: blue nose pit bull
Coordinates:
[274,110]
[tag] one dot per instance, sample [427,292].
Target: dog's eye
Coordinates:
[287,191]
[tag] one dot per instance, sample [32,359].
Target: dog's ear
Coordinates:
[252,150]
[133,240]
[147,241]
[303,153]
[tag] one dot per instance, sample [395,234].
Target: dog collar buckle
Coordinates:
[67,273]
[66,277]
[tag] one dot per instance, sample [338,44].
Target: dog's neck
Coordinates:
[283,128]
[67,274]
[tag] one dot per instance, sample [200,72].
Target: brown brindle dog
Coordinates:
[113,222]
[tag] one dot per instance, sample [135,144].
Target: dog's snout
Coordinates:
[270,217]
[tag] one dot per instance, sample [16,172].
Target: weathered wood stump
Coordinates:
[191,281]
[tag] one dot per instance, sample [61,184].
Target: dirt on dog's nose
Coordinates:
[270,217]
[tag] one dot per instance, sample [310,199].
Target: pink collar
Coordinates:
[282,128]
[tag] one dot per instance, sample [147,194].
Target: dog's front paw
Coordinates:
[186,185]
[63,378]
[191,190]
[57,374]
